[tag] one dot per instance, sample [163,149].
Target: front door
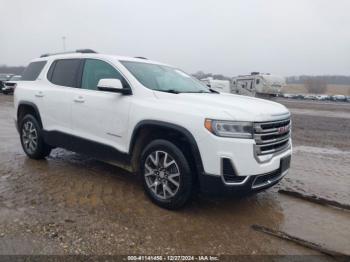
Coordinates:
[100,116]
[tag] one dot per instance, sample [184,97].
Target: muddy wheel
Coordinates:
[31,138]
[166,174]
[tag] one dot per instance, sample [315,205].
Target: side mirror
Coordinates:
[113,85]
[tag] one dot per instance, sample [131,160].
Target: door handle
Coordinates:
[39,94]
[79,99]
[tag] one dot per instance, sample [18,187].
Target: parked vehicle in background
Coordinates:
[4,78]
[223,86]
[16,78]
[310,97]
[322,97]
[298,96]
[258,85]
[340,98]
[10,85]
[154,120]
[288,95]
[293,96]
[335,98]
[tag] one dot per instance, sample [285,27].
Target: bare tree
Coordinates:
[330,79]
[11,69]
[315,86]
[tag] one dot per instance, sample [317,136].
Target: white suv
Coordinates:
[154,120]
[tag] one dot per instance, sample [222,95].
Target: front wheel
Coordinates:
[166,174]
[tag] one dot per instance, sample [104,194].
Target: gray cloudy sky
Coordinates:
[285,37]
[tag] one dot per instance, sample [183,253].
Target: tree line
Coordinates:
[327,79]
[201,75]
[16,70]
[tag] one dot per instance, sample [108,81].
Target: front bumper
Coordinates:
[233,184]
[242,154]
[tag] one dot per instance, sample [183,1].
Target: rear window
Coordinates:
[65,72]
[33,70]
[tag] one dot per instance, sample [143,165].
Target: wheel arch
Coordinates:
[26,107]
[147,130]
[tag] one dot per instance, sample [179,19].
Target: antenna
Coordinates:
[64,43]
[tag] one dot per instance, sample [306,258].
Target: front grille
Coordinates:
[272,137]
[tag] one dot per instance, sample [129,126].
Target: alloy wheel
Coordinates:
[162,174]
[29,137]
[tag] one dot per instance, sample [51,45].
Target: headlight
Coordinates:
[229,128]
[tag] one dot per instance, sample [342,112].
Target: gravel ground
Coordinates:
[71,204]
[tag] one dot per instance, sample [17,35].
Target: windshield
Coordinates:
[14,78]
[164,78]
[4,77]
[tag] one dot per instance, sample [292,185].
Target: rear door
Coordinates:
[33,84]
[58,94]
[101,116]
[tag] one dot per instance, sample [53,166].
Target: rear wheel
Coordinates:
[32,139]
[166,174]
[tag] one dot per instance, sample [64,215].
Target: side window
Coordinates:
[257,81]
[33,70]
[94,70]
[65,72]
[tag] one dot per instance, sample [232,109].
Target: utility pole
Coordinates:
[64,43]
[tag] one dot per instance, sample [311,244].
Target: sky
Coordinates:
[230,37]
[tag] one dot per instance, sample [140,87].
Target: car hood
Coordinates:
[226,106]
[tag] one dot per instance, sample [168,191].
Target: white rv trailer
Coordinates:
[258,84]
[222,86]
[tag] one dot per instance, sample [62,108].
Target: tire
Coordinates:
[168,183]
[5,92]
[32,138]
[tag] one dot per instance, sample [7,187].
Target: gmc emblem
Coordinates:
[283,129]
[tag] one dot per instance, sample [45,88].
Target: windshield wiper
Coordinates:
[173,91]
[170,91]
[213,91]
[197,92]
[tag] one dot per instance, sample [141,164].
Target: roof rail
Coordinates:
[141,57]
[82,51]
[86,51]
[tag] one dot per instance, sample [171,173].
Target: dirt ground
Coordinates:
[70,204]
